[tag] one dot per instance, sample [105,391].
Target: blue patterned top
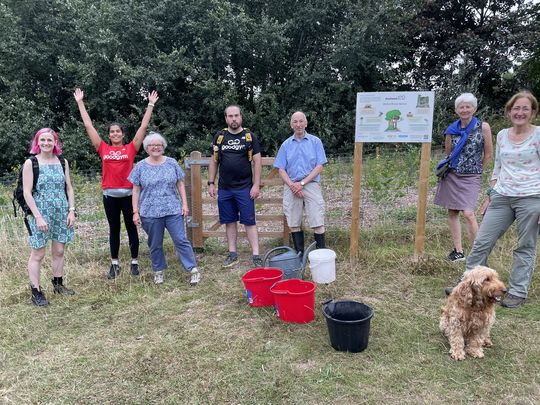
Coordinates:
[159,195]
[472,153]
[51,201]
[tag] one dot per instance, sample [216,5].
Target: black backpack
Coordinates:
[18,193]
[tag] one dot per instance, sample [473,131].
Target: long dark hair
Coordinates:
[117,124]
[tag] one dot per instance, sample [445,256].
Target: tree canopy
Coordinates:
[270,57]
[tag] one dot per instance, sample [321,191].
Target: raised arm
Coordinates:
[90,130]
[139,136]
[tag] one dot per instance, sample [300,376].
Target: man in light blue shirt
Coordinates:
[300,161]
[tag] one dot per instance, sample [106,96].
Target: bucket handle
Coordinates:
[256,280]
[263,278]
[267,255]
[306,253]
[283,292]
[330,303]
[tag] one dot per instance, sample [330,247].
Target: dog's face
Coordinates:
[486,281]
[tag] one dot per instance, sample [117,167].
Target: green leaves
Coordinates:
[270,57]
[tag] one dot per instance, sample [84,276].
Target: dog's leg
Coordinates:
[484,336]
[457,344]
[474,347]
[451,328]
[487,332]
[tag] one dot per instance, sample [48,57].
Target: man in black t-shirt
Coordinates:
[233,150]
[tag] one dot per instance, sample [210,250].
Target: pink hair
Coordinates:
[35,149]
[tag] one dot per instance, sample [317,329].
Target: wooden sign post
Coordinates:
[356,199]
[393,117]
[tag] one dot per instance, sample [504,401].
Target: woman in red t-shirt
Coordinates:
[117,161]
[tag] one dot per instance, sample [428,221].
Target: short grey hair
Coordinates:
[467,98]
[153,136]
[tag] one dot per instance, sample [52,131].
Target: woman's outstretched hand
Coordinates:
[79,95]
[152,97]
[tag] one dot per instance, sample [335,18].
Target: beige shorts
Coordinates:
[312,204]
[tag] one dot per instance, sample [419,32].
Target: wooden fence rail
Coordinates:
[202,225]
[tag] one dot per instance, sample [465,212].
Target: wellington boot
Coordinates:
[319,238]
[298,241]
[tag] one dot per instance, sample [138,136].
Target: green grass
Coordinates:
[131,342]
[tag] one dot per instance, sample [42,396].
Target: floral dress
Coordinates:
[52,203]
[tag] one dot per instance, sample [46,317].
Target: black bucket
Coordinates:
[348,324]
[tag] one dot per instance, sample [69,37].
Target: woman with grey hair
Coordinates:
[514,196]
[160,202]
[458,191]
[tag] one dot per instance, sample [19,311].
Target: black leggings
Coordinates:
[113,207]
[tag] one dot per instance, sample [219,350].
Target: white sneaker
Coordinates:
[195,276]
[158,277]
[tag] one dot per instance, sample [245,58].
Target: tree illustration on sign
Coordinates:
[393,116]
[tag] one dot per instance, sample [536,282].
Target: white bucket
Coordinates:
[322,265]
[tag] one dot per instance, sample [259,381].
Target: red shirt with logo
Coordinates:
[117,164]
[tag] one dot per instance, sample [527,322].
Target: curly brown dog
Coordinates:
[469,314]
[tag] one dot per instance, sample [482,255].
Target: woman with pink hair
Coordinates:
[52,203]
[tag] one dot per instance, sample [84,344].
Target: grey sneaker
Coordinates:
[456,256]
[38,298]
[257,261]
[195,276]
[512,301]
[158,277]
[60,289]
[114,272]
[230,260]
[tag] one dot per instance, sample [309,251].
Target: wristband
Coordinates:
[72,208]
[489,191]
[210,182]
[151,104]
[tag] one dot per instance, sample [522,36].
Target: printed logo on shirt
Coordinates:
[116,155]
[233,144]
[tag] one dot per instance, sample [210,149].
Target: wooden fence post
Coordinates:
[196,201]
[285,231]
[187,183]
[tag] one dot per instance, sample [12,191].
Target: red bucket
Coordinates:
[258,282]
[295,300]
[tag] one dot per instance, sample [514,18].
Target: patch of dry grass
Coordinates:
[130,341]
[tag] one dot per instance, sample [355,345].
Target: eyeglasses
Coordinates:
[524,109]
[155,145]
